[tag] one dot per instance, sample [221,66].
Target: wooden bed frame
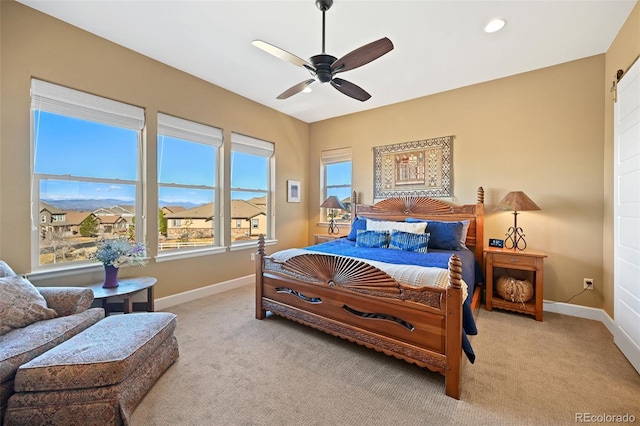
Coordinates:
[353,300]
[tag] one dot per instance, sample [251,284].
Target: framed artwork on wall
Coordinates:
[420,168]
[293,191]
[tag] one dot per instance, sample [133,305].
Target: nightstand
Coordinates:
[523,264]
[323,238]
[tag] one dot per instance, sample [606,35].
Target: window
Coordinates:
[252,168]
[336,180]
[187,184]
[86,158]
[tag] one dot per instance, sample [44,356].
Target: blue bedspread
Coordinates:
[435,258]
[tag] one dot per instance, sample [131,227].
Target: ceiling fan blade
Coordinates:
[295,89]
[282,54]
[362,55]
[350,89]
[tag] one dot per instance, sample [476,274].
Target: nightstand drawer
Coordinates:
[323,238]
[508,259]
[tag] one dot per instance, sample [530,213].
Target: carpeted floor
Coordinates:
[236,370]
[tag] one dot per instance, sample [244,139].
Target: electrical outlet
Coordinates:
[253,256]
[588,283]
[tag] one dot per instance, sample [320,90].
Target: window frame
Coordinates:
[253,146]
[64,101]
[329,157]
[193,132]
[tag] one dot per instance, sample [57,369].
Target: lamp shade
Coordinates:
[333,203]
[516,201]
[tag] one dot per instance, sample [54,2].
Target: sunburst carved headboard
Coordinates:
[401,208]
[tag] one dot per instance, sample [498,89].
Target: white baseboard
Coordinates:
[188,296]
[619,337]
[581,312]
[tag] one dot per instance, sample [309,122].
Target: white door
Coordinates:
[627,215]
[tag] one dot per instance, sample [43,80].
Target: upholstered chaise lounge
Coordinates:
[34,320]
[97,377]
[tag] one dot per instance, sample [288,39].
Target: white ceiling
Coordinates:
[439,45]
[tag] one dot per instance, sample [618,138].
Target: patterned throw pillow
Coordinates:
[409,241]
[372,239]
[5,270]
[21,304]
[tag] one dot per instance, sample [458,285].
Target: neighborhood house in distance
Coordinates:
[69,231]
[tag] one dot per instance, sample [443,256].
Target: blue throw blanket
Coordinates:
[435,258]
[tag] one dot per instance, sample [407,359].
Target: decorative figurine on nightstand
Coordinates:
[516,201]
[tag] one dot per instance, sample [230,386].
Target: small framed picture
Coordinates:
[293,191]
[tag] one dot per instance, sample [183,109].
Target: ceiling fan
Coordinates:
[324,67]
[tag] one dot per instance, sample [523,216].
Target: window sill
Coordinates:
[64,271]
[253,244]
[69,270]
[188,253]
[338,224]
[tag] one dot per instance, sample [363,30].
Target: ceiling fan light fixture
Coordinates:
[307,90]
[323,67]
[495,25]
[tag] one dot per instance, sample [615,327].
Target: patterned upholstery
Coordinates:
[21,304]
[373,239]
[58,299]
[5,270]
[24,344]
[98,376]
[102,355]
[409,241]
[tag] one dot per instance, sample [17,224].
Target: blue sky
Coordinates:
[70,146]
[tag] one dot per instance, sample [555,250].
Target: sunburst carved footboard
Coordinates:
[356,301]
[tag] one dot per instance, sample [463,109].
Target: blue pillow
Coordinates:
[358,224]
[372,239]
[463,233]
[445,235]
[408,241]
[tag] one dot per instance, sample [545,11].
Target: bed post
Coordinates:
[453,351]
[260,312]
[479,248]
[354,201]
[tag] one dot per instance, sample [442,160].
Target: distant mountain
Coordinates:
[91,205]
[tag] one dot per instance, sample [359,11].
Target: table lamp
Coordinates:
[516,201]
[333,203]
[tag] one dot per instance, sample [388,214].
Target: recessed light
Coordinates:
[495,25]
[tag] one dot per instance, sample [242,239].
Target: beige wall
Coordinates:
[36,45]
[539,132]
[543,132]
[621,54]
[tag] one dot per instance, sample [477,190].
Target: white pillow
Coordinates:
[465,230]
[383,225]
